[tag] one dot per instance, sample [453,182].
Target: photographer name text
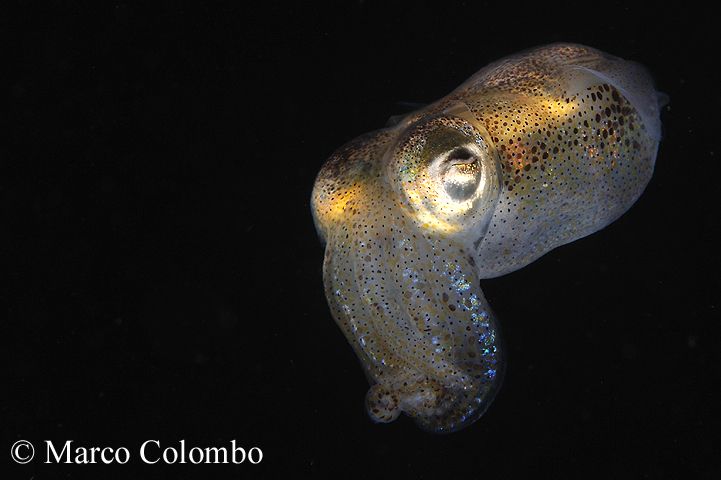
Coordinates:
[150,452]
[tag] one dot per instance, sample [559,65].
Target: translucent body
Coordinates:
[534,151]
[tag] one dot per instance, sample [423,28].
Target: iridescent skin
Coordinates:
[534,151]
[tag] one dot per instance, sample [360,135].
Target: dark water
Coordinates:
[165,276]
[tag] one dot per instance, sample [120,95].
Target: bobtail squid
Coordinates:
[534,151]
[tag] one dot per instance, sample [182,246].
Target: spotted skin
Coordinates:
[534,151]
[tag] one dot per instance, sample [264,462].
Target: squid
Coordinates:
[534,151]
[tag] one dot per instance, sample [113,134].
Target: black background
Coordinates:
[165,275]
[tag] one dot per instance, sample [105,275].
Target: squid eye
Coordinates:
[446,172]
[461,173]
